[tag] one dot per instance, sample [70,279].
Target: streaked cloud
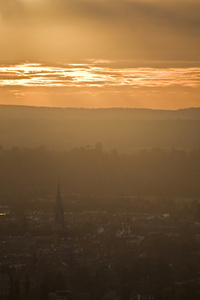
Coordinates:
[96,74]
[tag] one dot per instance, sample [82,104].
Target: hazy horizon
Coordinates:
[126,129]
[102,108]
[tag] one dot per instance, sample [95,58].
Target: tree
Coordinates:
[99,147]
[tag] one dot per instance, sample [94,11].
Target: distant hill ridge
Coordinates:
[136,113]
[126,129]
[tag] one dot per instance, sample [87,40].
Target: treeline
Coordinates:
[92,171]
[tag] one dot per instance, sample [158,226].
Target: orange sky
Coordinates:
[100,53]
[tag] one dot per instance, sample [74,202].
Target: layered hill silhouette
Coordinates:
[128,130]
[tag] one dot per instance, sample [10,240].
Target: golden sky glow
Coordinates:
[90,75]
[97,53]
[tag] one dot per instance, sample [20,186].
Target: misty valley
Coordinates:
[92,221]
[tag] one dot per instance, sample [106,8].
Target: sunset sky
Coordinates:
[100,53]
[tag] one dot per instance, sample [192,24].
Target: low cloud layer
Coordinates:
[95,75]
[99,84]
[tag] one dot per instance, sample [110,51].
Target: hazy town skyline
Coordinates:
[92,53]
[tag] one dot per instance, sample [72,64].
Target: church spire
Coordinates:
[59,212]
[58,199]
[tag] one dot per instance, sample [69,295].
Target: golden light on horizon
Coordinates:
[134,53]
[35,74]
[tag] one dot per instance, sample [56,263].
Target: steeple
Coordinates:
[59,213]
[58,199]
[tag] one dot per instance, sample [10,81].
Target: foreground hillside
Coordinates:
[127,130]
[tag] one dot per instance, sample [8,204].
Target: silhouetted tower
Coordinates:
[58,226]
[59,213]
